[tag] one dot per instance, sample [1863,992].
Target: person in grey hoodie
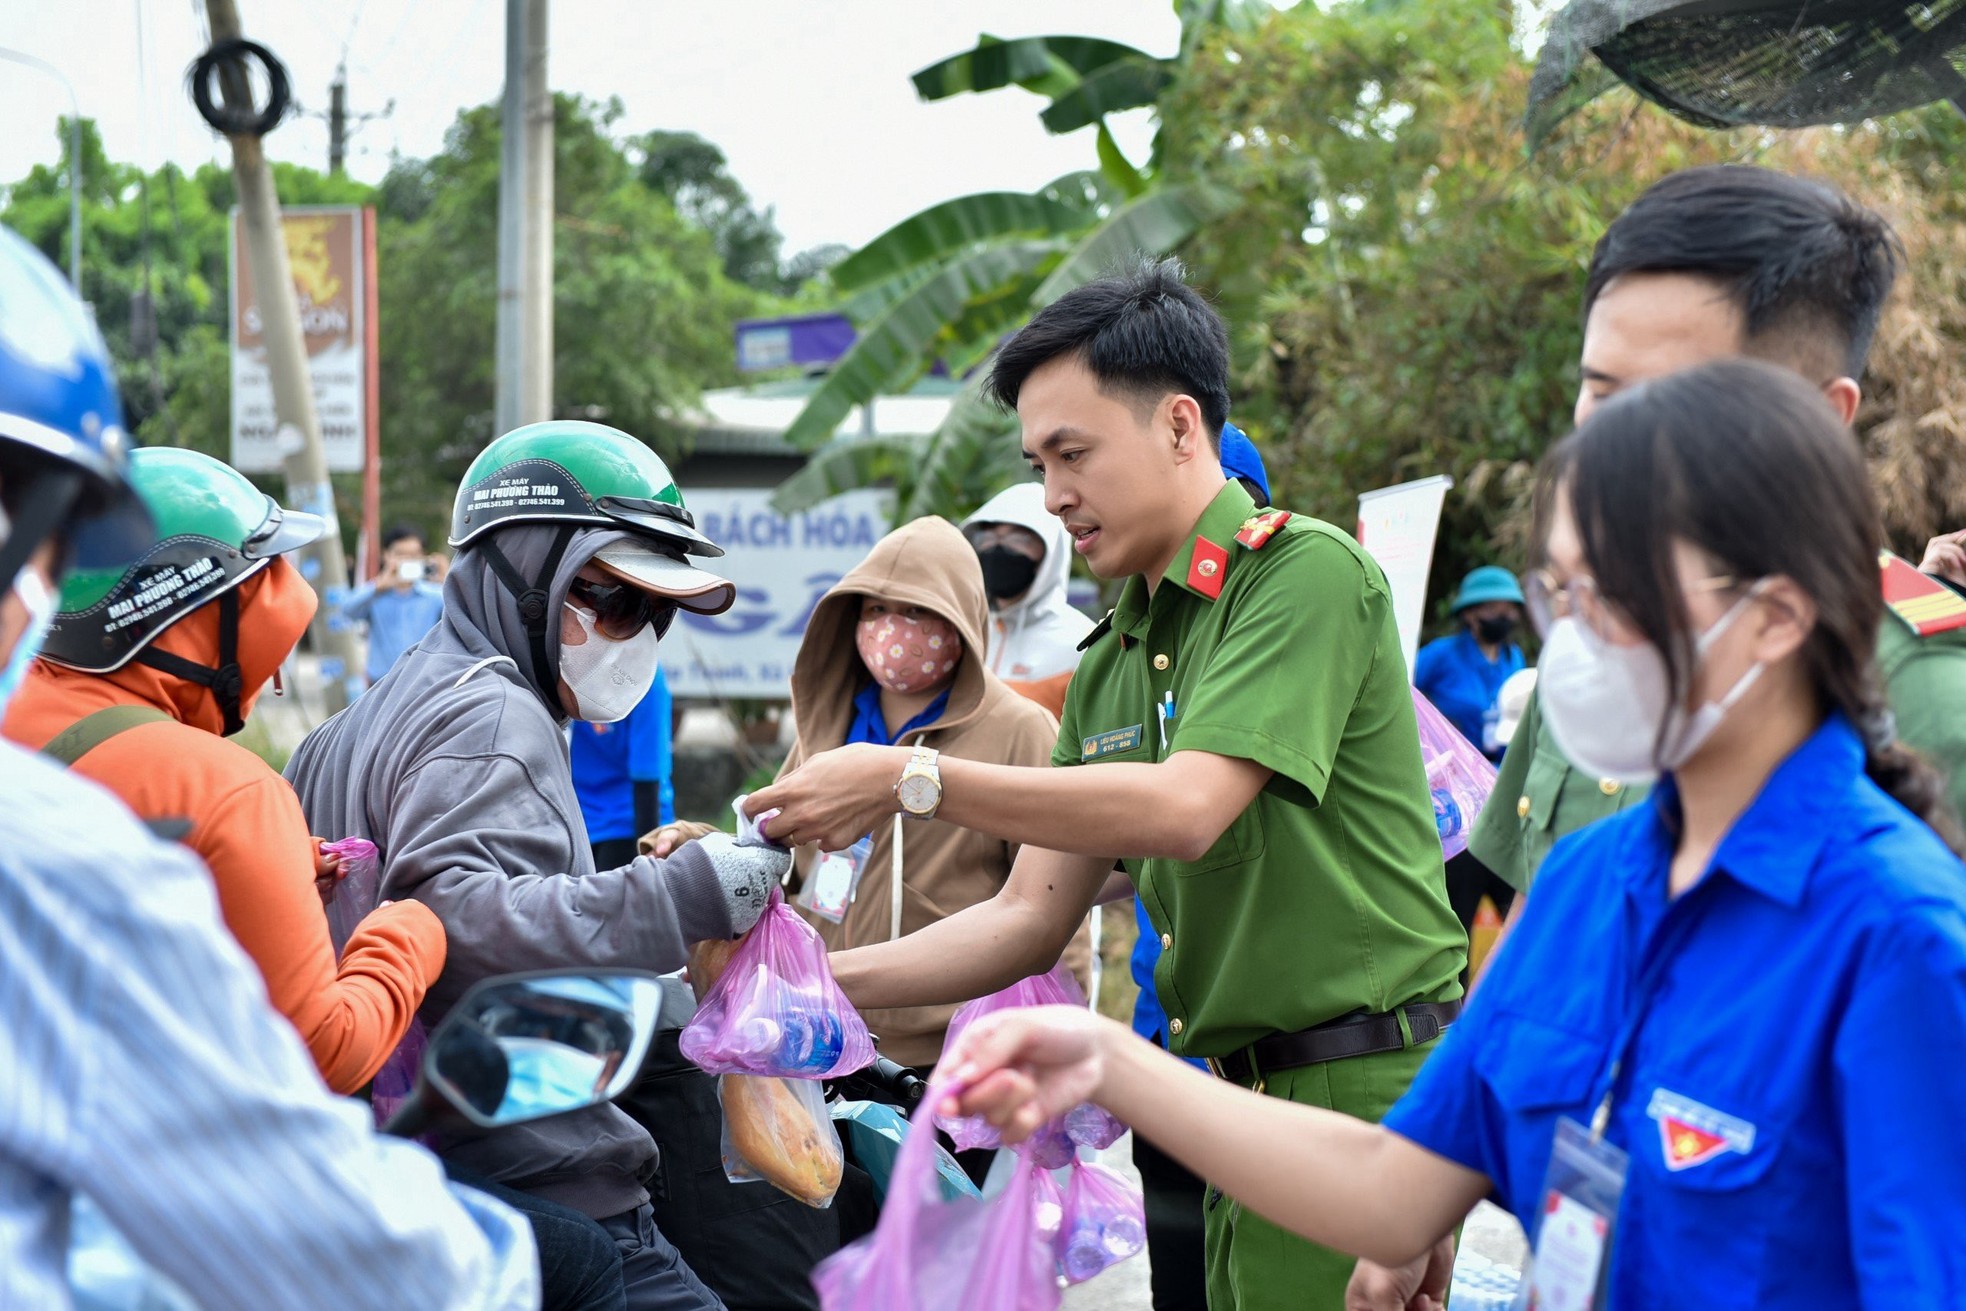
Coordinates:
[573,550]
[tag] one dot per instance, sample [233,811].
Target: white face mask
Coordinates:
[608,678]
[1606,703]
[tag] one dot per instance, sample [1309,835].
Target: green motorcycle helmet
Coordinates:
[569,471]
[214,531]
[584,475]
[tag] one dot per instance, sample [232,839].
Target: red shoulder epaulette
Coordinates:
[1926,604]
[1259,529]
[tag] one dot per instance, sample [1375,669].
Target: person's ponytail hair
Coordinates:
[1747,463]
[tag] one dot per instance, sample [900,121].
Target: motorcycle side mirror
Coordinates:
[525,1046]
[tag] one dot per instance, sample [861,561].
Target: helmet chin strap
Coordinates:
[227,681]
[535,601]
[44,505]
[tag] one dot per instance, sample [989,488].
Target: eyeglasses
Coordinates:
[1578,598]
[622,610]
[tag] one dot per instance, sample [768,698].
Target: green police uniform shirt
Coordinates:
[1540,796]
[1925,683]
[1325,896]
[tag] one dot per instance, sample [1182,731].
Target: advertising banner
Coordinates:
[1397,525]
[782,565]
[325,248]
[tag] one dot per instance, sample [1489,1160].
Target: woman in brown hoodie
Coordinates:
[896,649]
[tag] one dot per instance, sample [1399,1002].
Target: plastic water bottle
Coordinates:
[1122,1236]
[812,1042]
[1447,814]
[1483,1285]
[758,1036]
[1085,1250]
[1052,1148]
[1088,1126]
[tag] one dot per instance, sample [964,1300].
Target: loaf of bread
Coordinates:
[770,1129]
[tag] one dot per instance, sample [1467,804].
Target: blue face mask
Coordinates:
[40,603]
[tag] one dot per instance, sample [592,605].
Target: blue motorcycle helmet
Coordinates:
[62,441]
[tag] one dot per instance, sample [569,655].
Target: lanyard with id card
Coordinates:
[835,880]
[1570,1269]
[1586,1180]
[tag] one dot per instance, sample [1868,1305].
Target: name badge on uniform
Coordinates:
[1569,1270]
[1110,743]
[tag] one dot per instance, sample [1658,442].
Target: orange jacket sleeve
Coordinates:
[1047,692]
[350,1014]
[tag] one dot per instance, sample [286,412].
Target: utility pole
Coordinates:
[536,387]
[523,387]
[338,120]
[305,461]
[341,124]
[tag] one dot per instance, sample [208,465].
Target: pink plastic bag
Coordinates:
[970,1254]
[1459,776]
[1055,1145]
[1104,1223]
[357,891]
[396,1079]
[776,1010]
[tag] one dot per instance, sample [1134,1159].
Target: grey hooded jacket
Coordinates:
[455,766]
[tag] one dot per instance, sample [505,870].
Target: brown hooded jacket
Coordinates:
[945,869]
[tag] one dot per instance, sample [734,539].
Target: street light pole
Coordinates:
[74,160]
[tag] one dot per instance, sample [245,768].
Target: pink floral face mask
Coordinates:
[909,655]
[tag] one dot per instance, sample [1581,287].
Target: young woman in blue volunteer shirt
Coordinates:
[1742,1005]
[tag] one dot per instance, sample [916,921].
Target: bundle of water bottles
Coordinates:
[1011,1250]
[1055,1145]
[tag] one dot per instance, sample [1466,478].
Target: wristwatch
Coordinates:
[919,789]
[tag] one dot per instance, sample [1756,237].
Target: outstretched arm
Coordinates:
[989,946]
[1331,1178]
[1176,808]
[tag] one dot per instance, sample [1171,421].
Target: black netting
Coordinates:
[1724,63]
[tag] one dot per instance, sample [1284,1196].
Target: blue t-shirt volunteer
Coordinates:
[1463,683]
[1789,1093]
[397,620]
[608,760]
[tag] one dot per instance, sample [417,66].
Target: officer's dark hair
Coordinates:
[402,532]
[1747,463]
[1808,267]
[1142,331]
[1255,491]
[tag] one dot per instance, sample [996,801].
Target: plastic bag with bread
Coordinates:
[779,1130]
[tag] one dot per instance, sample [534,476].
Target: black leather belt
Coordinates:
[1337,1040]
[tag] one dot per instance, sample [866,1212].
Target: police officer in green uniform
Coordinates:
[1707,264]
[1253,760]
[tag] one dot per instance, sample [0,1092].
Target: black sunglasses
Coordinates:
[622,610]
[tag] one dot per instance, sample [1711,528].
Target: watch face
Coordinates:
[918,795]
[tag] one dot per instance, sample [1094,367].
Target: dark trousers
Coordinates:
[753,1245]
[653,1273]
[1174,1229]
[579,1264]
[613,853]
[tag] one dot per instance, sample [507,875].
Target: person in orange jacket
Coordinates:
[144,675]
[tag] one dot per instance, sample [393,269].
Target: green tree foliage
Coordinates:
[1402,278]
[947,284]
[693,174]
[643,308]
[643,311]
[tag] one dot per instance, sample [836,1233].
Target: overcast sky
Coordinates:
[809,99]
